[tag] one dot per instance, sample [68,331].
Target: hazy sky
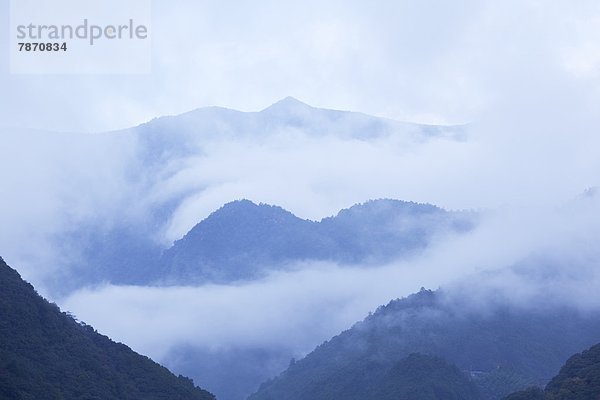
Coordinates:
[432,61]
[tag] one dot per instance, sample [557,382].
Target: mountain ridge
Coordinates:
[504,349]
[282,116]
[243,240]
[288,103]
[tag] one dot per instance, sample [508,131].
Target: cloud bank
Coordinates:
[525,257]
[528,85]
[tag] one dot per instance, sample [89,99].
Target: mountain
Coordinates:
[167,136]
[532,393]
[416,377]
[502,348]
[243,240]
[108,219]
[578,379]
[47,354]
[421,377]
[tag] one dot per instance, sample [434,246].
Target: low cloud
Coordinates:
[525,257]
[294,310]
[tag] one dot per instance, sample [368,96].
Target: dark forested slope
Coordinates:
[46,354]
[423,377]
[416,377]
[578,379]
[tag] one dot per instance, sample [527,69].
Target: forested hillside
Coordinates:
[47,354]
[578,379]
[241,240]
[503,349]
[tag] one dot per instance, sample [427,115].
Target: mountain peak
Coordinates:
[288,104]
[242,207]
[242,216]
[239,204]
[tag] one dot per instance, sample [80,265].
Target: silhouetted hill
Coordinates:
[46,354]
[241,240]
[504,349]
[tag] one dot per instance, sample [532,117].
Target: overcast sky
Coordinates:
[432,61]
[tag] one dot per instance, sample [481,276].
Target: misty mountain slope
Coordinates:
[238,239]
[115,200]
[422,377]
[173,134]
[231,373]
[378,231]
[165,139]
[241,240]
[504,348]
[531,393]
[578,379]
[415,377]
[46,354]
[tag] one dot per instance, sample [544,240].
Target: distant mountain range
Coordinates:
[423,347]
[243,240]
[180,134]
[118,230]
[502,349]
[47,354]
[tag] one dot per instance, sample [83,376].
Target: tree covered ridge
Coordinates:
[578,379]
[424,377]
[239,239]
[503,348]
[47,354]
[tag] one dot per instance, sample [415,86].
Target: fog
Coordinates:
[67,182]
[528,87]
[523,76]
[525,257]
[529,258]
